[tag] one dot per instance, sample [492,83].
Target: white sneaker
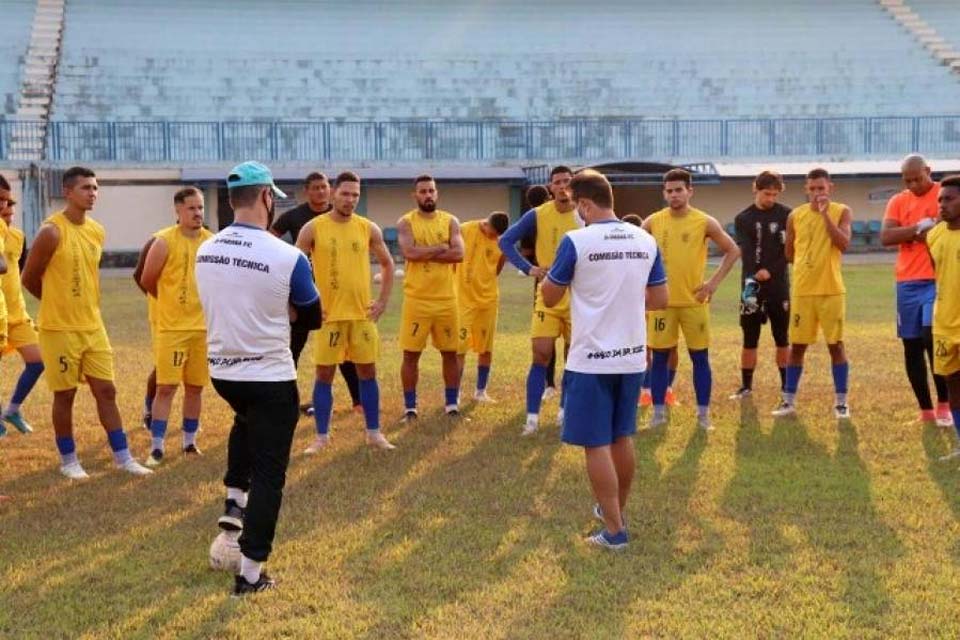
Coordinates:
[784,409]
[318,444]
[950,456]
[704,423]
[841,412]
[481,396]
[379,441]
[74,471]
[657,420]
[137,469]
[560,416]
[945,421]
[549,394]
[530,427]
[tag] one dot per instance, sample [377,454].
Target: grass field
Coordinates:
[762,529]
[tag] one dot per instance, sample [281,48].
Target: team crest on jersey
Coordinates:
[685,237]
[356,247]
[489,253]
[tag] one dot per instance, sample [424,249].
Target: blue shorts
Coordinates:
[599,407]
[915,307]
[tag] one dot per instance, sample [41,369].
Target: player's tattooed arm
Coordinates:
[409,249]
[790,244]
[153,266]
[840,233]
[731,253]
[40,253]
[454,252]
[304,239]
[379,250]
[141,260]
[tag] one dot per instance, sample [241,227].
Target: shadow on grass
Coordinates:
[446,534]
[937,442]
[786,480]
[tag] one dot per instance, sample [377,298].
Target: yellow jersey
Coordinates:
[477,284]
[13,243]
[341,266]
[816,260]
[178,301]
[71,283]
[433,281]
[944,246]
[682,241]
[552,225]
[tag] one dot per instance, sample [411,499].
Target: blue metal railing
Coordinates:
[482,140]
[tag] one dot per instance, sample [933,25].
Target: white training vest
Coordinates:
[243,276]
[608,298]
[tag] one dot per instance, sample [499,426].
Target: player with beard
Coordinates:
[431,244]
[339,244]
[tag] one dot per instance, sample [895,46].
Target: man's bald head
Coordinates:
[916,174]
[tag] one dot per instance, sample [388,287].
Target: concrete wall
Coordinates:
[133,205]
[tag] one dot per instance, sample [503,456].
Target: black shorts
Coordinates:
[776,309]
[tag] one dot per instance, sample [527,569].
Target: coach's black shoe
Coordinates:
[241,587]
[192,450]
[232,518]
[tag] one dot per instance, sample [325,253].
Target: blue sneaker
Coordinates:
[607,540]
[17,421]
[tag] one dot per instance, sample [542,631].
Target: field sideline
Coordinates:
[762,529]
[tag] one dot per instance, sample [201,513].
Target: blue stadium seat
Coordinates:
[15,23]
[422,61]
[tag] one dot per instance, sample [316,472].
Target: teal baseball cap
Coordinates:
[250,173]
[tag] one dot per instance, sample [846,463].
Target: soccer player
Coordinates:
[339,244]
[21,334]
[764,277]
[550,221]
[614,273]
[910,214]
[681,232]
[251,284]
[62,270]
[151,391]
[535,196]
[478,293]
[817,235]
[944,243]
[316,188]
[180,338]
[431,243]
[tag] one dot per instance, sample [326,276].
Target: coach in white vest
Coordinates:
[615,275]
[250,284]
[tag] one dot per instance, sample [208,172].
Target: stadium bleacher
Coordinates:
[297,59]
[14,38]
[943,15]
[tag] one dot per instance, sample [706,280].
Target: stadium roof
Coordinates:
[863,168]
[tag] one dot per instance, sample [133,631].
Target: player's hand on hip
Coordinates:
[762,275]
[376,309]
[704,292]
